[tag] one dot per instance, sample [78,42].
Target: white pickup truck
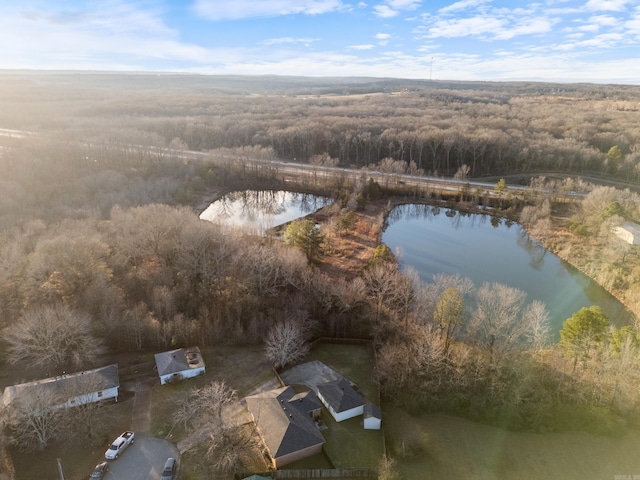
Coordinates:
[119,445]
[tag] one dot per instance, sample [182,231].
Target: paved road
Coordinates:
[143,460]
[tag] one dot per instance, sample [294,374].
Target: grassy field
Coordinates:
[443,447]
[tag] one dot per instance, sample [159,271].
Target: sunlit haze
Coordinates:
[552,40]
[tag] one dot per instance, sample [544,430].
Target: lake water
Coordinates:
[256,211]
[489,249]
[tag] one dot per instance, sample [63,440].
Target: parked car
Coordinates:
[169,470]
[119,445]
[99,471]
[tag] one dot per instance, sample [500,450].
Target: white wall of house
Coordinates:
[339,417]
[372,423]
[105,394]
[172,377]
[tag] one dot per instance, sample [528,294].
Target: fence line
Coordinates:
[344,473]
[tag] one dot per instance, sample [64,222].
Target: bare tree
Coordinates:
[499,323]
[53,338]
[536,319]
[33,420]
[202,408]
[286,343]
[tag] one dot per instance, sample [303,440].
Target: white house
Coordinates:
[372,417]
[342,401]
[71,389]
[629,232]
[179,364]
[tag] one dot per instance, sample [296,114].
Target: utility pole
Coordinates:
[431,69]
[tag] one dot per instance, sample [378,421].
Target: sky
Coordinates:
[497,40]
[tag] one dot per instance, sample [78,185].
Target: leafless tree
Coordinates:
[202,408]
[286,343]
[501,321]
[53,338]
[33,420]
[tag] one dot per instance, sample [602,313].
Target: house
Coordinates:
[285,421]
[372,417]
[179,364]
[71,389]
[629,232]
[340,398]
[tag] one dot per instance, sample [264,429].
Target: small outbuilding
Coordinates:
[372,417]
[341,399]
[179,364]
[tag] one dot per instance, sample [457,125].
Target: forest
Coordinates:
[494,128]
[102,250]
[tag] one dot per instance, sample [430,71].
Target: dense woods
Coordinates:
[494,128]
[100,232]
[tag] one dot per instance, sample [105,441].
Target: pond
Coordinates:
[256,211]
[490,249]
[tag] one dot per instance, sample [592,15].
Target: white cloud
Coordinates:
[237,9]
[288,40]
[462,5]
[527,26]
[404,4]
[607,5]
[383,36]
[391,8]
[464,27]
[384,11]
[604,20]
[368,46]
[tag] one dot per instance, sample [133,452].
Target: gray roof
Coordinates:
[175,361]
[371,410]
[340,395]
[285,427]
[69,385]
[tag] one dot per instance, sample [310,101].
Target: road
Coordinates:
[143,460]
[305,170]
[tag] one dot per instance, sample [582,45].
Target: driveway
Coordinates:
[143,460]
[310,374]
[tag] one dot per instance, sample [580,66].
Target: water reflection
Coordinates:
[256,211]
[484,248]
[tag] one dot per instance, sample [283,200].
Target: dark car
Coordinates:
[169,470]
[100,470]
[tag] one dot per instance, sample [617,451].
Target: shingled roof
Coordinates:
[283,420]
[69,385]
[340,395]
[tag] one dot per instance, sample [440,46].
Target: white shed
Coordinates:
[179,364]
[342,401]
[372,417]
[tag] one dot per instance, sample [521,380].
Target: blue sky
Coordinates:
[548,40]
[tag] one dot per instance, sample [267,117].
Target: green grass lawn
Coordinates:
[349,445]
[446,447]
